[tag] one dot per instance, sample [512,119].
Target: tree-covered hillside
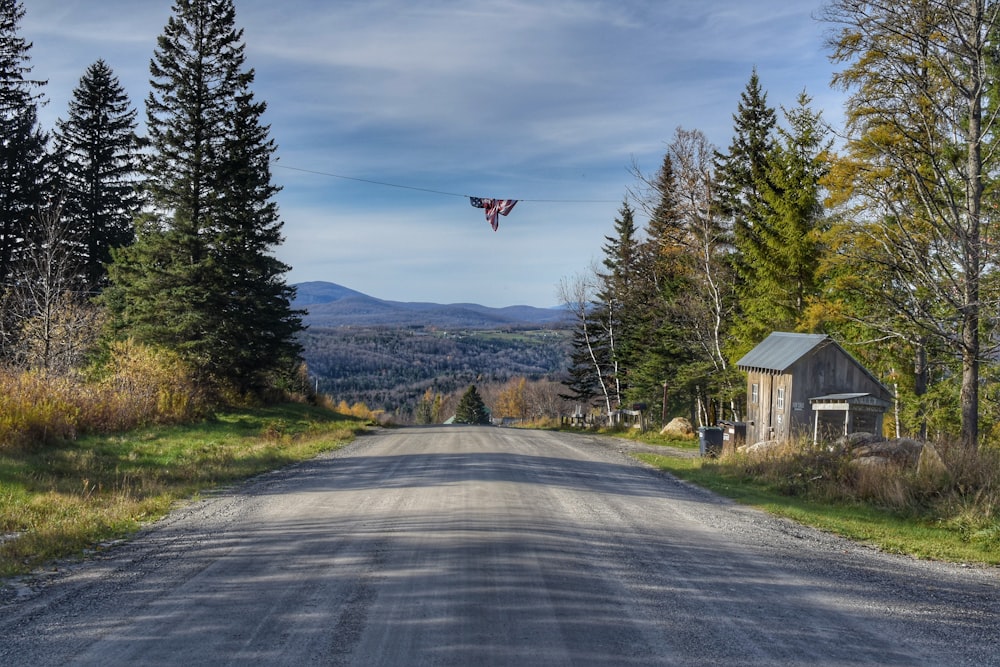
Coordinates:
[391,368]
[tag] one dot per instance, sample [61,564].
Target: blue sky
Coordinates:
[518,99]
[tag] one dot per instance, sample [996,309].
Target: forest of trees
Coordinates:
[391,370]
[879,234]
[164,240]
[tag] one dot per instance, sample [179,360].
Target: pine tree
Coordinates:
[656,340]
[583,384]
[741,174]
[253,298]
[688,249]
[200,277]
[778,257]
[617,305]
[98,154]
[590,374]
[793,195]
[471,409]
[742,171]
[22,142]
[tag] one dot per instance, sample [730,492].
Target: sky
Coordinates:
[389,114]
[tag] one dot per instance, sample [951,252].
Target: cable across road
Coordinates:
[430,190]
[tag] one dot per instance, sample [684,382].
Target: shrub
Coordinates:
[35,410]
[137,385]
[152,385]
[967,498]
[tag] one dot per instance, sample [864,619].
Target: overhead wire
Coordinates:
[432,191]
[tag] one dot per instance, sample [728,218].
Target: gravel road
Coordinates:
[484,546]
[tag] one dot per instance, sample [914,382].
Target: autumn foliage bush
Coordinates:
[964,494]
[135,386]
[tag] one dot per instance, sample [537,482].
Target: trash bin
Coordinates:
[710,440]
[733,433]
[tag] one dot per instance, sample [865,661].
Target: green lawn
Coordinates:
[60,501]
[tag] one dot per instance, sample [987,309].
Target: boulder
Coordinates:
[901,451]
[854,440]
[871,462]
[762,447]
[930,467]
[678,428]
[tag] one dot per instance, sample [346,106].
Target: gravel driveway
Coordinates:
[484,546]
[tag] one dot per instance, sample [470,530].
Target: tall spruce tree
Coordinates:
[22,142]
[778,256]
[590,373]
[660,347]
[98,167]
[582,381]
[741,175]
[787,272]
[253,297]
[200,277]
[617,306]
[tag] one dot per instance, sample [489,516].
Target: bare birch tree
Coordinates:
[53,326]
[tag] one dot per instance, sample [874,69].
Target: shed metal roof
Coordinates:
[781,350]
[840,397]
[859,398]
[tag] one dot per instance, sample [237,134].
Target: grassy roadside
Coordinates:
[894,530]
[59,501]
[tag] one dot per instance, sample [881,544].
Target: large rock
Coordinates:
[678,428]
[901,451]
[852,441]
[762,447]
[930,467]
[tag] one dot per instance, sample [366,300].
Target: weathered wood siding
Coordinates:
[822,371]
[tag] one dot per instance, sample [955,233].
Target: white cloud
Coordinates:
[510,98]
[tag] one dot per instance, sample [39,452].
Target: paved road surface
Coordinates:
[482,546]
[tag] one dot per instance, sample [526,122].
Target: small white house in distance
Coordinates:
[799,384]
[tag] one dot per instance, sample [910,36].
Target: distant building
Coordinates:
[807,384]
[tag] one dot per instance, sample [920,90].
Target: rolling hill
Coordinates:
[332,305]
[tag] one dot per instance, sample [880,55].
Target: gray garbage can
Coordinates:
[735,433]
[710,440]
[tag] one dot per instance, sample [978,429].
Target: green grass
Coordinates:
[60,501]
[654,438]
[889,530]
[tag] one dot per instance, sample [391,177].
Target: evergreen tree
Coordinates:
[660,344]
[471,409]
[779,259]
[616,308]
[22,142]
[583,384]
[98,153]
[591,374]
[741,176]
[793,194]
[693,246]
[200,277]
[253,299]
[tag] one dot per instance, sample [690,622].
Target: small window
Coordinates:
[755,393]
[780,400]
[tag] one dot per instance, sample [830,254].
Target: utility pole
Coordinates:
[663,415]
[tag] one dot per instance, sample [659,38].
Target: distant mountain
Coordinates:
[331,305]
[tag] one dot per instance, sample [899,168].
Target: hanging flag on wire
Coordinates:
[494,207]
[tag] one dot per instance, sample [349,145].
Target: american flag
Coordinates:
[494,207]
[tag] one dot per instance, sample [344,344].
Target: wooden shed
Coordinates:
[807,384]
